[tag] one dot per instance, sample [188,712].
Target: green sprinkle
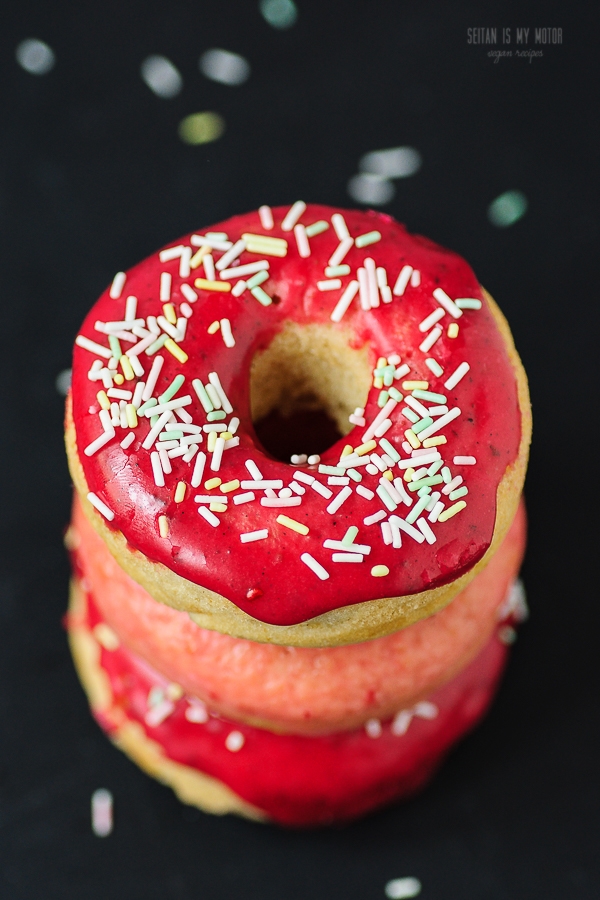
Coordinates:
[115,346]
[417,510]
[388,376]
[204,398]
[446,474]
[389,449]
[371,237]
[172,389]
[425,482]
[354,474]
[216,415]
[217,235]
[158,343]
[379,373]
[468,303]
[317,228]
[435,467]
[396,395]
[425,491]
[410,414]
[382,399]
[429,395]
[257,279]
[170,435]
[459,492]
[434,366]
[422,425]
[336,271]
[154,420]
[261,296]
[147,405]
[332,470]
[507,209]
[349,536]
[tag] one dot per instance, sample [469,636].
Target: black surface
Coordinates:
[94,178]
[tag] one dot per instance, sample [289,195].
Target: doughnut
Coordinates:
[285,310]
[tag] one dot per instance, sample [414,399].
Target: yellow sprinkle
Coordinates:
[212,482]
[206,285]
[451,511]
[453,330]
[199,256]
[291,523]
[265,249]
[106,636]
[163,526]
[212,441]
[131,413]
[435,441]
[415,385]
[170,314]
[119,378]
[388,474]
[379,571]
[180,491]
[378,382]
[226,435]
[214,327]
[229,486]
[103,399]
[176,350]
[270,245]
[365,448]
[348,449]
[381,362]
[126,366]
[412,439]
[174,691]
[217,507]
[409,474]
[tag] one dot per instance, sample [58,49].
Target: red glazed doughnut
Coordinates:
[307,555]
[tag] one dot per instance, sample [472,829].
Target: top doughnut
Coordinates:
[388,332]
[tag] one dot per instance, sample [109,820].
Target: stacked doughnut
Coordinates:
[297,641]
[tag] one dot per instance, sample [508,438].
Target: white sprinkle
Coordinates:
[285,492]
[402,888]
[196,711]
[142,345]
[250,536]
[238,289]
[396,536]
[440,423]
[188,457]
[382,428]
[206,240]
[186,310]
[261,484]
[35,56]
[276,502]
[424,709]
[168,406]
[357,420]
[376,517]
[364,492]
[401,372]
[449,305]
[379,418]
[468,303]
[165,462]
[234,741]
[381,277]
[415,278]
[244,498]
[216,382]
[409,529]
[96,445]
[247,269]
[116,288]
[226,333]
[417,406]
[184,415]
[161,76]
[435,512]
[266,217]
[153,377]
[316,567]
[101,506]
[184,262]
[198,470]
[229,256]
[293,215]
[217,456]
[340,251]
[426,531]
[254,470]
[402,280]
[372,469]
[387,498]
[302,241]
[304,477]
[372,290]
[339,499]
[165,286]
[158,713]
[210,498]
[152,325]
[102,812]
[389,487]
[330,284]
[464,460]
[401,491]
[297,488]
[224,66]
[98,349]
[430,340]
[373,728]
[428,456]
[338,480]
[128,440]
[157,470]
[209,516]
[321,489]
[361,549]
[363,286]
[340,227]
[386,533]
[298,459]
[347,557]
[430,321]
[344,301]
[188,292]
[399,727]
[171,253]
[119,394]
[457,375]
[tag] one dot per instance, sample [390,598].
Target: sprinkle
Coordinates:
[376,517]
[339,499]
[209,516]
[102,810]
[293,215]
[262,484]
[169,313]
[461,492]
[371,237]
[98,349]
[132,419]
[304,477]
[103,400]
[340,251]
[418,427]
[379,572]
[250,536]
[302,241]
[100,441]
[464,460]
[209,267]
[275,502]
[453,330]
[116,288]
[373,292]
[373,726]
[412,439]
[262,296]
[213,327]
[430,340]
[266,217]
[330,470]
[163,526]
[321,489]
[291,523]
[449,305]
[210,241]
[364,492]
[344,301]
[317,228]
[339,226]
[257,279]
[316,567]
[228,337]
[416,406]
[128,440]
[437,508]
[434,366]
[180,491]
[165,286]
[234,741]
[347,557]
[101,506]
[363,286]
[402,280]
[468,303]
[231,254]
[457,375]
[350,535]
[202,395]
[402,888]
[244,498]
[441,422]
[264,245]
[426,531]
[415,278]
[215,381]
[198,470]
[331,284]
[157,469]
[435,442]
[451,511]
[384,495]
[176,350]
[408,528]
[188,457]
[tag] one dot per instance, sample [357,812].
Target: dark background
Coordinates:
[93,178]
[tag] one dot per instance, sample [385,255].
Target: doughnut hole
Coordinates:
[303,387]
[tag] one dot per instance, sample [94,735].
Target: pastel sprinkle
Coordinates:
[316,567]
[380,571]
[214,327]
[293,524]
[371,237]
[451,511]
[180,491]
[163,526]
[453,330]
[205,285]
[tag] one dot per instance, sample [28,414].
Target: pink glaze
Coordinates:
[268,579]
[299,690]
[296,780]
